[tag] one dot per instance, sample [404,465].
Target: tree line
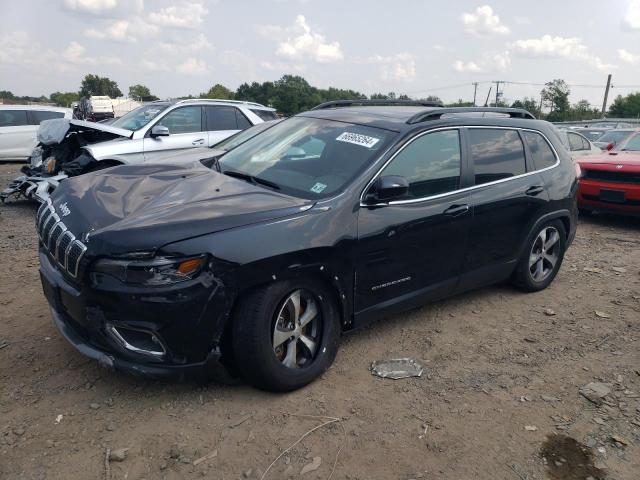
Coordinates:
[292,94]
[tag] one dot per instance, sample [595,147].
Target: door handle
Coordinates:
[455,210]
[199,141]
[534,190]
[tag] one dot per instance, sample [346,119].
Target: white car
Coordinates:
[577,144]
[19,128]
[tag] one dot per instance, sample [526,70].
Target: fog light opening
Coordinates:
[138,341]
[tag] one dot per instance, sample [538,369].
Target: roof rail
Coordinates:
[242,102]
[376,103]
[437,113]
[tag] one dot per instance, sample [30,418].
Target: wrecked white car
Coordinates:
[155,132]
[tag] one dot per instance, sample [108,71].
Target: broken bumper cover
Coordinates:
[90,339]
[32,188]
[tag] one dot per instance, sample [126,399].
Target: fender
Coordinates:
[562,214]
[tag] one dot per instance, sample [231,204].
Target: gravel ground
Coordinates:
[500,397]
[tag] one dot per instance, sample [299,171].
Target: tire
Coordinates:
[584,212]
[265,316]
[532,276]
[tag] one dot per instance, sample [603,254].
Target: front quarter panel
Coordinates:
[126,151]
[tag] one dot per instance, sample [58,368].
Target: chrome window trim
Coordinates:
[461,190]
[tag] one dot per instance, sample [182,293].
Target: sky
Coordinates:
[181,47]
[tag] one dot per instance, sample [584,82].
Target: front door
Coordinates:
[411,250]
[185,131]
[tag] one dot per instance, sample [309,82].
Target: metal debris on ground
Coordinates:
[397,368]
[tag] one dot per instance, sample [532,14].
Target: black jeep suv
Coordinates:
[317,226]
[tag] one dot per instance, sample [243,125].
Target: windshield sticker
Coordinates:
[318,187]
[357,139]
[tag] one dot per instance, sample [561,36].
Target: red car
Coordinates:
[611,181]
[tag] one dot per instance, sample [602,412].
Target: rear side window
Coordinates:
[265,115]
[13,118]
[496,154]
[575,142]
[221,118]
[39,115]
[241,120]
[431,164]
[541,152]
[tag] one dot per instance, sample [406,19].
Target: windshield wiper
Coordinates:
[251,179]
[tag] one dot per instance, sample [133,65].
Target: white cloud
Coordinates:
[559,47]
[483,23]
[152,66]
[628,57]
[399,67]
[185,15]
[182,46]
[192,66]
[489,62]
[301,43]
[632,17]
[522,20]
[75,54]
[104,8]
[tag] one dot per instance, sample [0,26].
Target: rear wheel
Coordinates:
[286,334]
[542,258]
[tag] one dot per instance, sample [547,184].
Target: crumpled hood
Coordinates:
[131,208]
[55,130]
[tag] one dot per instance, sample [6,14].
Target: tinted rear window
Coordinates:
[265,115]
[496,154]
[541,152]
[39,115]
[221,118]
[13,118]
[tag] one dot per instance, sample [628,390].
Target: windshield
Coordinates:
[234,140]
[307,157]
[633,144]
[613,136]
[138,118]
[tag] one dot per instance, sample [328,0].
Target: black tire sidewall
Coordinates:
[262,368]
[523,276]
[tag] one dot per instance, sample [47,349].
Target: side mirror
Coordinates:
[385,189]
[159,131]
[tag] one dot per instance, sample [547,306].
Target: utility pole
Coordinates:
[475,91]
[497,92]
[606,96]
[486,102]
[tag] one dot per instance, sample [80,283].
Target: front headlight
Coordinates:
[159,271]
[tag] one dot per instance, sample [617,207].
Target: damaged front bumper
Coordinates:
[37,188]
[82,323]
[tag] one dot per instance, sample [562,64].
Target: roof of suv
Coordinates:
[215,101]
[406,117]
[48,108]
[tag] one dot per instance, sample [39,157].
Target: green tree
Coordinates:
[219,91]
[141,93]
[64,99]
[96,85]
[626,107]
[555,95]
[293,94]
[6,94]
[460,103]
[528,104]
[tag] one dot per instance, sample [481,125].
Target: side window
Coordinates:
[221,118]
[265,115]
[39,115]
[575,142]
[241,120]
[585,144]
[541,152]
[496,154]
[183,120]
[431,164]
[13,118]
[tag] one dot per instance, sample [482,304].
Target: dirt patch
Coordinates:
[569,459]
[494,363]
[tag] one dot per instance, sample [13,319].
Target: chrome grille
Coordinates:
[58,240]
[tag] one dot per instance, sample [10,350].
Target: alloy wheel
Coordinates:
[297,330]
[545,254]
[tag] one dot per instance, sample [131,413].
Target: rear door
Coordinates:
[508,197]
[17,137]
[411,250]
[222,122]
[186,130]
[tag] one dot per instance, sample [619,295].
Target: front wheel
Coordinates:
[286,334]
[542,258]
